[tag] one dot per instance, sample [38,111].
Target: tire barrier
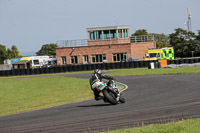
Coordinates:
[141,64]
[27,72]
[136,64]
[146,63]
[196,60]
[88,67]
[126,65]
[176,61]
[191,60]
[103,66]
[131,64]
[154,65]
[107,66]
[84,67]
[117,65]
[121,64]
[181,61]
[79,67]
[112,66]
[186,61]
[94,66]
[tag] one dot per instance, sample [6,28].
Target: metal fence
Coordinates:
[142,38]
[84,42]
[72,43]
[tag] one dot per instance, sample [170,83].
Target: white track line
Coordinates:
[126,87]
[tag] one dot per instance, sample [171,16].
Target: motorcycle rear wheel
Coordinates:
[121,99]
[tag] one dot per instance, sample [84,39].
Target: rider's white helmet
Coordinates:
[97,71]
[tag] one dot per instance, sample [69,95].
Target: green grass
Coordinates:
[186,126]
[22,94]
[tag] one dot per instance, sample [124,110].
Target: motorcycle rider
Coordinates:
[96,80]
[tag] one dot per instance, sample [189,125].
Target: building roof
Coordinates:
[21,62]
[107,28]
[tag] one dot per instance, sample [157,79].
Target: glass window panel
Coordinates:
[97,35]
[63,59]
[119,56]
[74,60]
[93,59]
[115,35]
[98,58]
[85,58]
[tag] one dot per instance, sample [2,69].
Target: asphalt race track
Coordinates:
[149,99]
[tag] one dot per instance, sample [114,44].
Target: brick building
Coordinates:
[104,44]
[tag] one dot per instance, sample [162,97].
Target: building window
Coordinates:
[119,57]
[91,35]
[74,60]
[106,34]
[120,33]
[98,58]
[85,59]
[125,33]
[63,60]
[113,34]
[36,62]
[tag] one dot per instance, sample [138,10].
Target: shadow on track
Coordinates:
[96,105]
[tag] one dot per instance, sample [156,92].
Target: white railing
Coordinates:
[142,38]
[72,43]
[84,42]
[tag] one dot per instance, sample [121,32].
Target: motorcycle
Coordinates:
[110,92]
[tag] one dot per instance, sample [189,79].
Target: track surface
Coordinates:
[149,99]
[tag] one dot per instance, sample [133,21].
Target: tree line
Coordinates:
[7,53]
[185,44]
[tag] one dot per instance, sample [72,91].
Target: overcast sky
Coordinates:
[29,24]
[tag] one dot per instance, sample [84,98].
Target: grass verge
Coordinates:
[146,71]
[186,126]
[23,94]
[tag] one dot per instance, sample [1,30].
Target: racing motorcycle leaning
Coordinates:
[110,92]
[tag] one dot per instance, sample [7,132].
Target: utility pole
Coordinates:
[189,22]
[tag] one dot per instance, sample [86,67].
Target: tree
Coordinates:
[47,49]
[13,52]
[2,53]
[140,32]
[185,43]
[162,40]
[198,35]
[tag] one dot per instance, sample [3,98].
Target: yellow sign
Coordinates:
[25,58]
[155,51]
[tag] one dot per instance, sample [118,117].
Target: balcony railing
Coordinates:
[84,42]
[142,38]
[72,43]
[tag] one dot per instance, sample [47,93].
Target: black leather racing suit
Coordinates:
[98,77]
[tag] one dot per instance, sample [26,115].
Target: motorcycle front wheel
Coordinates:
[110,97]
